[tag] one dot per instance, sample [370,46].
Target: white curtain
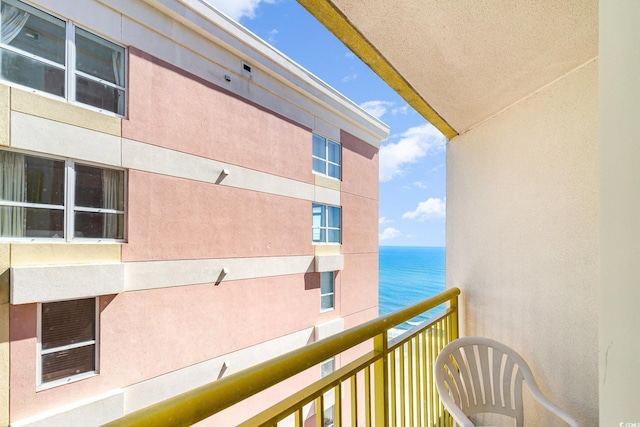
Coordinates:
[118,76]
[110,197]
[11,22]
[12,188]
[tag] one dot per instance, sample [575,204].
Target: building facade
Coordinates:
[178,201]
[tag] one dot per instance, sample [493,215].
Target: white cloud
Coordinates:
[350,55]
[421,185]
[385,220]
[414,143]
[349,78]
[237,9]
[272,36]
[389,233]
[376,108]
[432,208]
[401,110]
[440,166]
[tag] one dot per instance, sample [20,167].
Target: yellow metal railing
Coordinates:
[392,385]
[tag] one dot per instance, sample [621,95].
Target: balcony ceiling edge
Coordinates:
[336,22]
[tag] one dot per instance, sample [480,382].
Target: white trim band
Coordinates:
[30,284]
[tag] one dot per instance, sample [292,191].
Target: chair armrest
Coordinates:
[553,408]
[460,418]
[455,412]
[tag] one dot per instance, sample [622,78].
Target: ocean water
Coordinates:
[407,275]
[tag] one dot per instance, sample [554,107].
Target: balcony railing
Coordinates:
[391,385]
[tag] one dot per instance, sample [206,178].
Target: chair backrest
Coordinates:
[480,375]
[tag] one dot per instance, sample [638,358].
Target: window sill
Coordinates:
[60,241]
[75,104]
[64,381]
[326,176]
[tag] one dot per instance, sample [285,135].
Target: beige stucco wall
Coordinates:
[4,114]
[522,237]
[619,211]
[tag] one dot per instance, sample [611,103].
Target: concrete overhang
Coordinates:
[460,62]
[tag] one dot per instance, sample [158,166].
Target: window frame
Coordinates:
[326,160]
[40,353]
[332,293]
[70,67]
[324,226]
[69,206]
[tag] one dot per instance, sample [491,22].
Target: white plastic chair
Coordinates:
[476,375]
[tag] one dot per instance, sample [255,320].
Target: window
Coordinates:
[42,52]
[327,286]
[326,157]
[329,415]
[50,198]
[325,225]
[68,340]
[327,367]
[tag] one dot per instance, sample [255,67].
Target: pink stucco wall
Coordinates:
[359,276]
[149,333]
[173,218]
[360,224]
[174,109]
[359,168]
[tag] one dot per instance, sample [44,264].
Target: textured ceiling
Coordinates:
[466,60]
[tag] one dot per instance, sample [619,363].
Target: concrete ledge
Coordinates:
[52,137]
[150,158]
[329,328]
[87,413]
[31,284]
[164,274]
[324,263]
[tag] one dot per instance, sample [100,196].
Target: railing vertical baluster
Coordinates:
[432,352]
[337,408]
[393,387]
[423,381]
[441,338]
[298,418]
[320,411]
[410,372]
[453,303]
[418,384]
[452,334]
[403,403]
[367,396]
[381,392]
[354,400]
[437,329]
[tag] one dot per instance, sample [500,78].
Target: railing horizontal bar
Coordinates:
[309,393]
[411,333]
[200,403]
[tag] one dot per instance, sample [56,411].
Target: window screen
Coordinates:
[68,338]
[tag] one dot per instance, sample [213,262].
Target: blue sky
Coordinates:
[412,159]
